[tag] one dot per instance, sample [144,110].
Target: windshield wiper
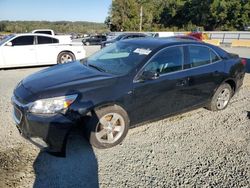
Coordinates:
[96,67]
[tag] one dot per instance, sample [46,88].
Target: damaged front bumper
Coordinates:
[48,132]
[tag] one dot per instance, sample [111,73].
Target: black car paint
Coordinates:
[143,100]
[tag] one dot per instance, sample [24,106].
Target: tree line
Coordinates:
[58,27]
[178,15]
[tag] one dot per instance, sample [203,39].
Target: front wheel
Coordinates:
[107,127]
[221,98]
[65,57]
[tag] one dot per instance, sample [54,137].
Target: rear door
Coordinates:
[204,70]
[47,50]
[21,53]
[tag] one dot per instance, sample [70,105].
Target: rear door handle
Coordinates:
[216,73]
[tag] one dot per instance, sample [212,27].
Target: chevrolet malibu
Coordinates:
[126,83]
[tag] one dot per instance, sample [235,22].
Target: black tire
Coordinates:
[214,104]
[92,127]
[65,57]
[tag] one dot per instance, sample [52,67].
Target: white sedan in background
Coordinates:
[29,49]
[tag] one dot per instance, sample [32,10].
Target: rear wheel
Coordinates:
[221,98]
[65,57]
[107,127]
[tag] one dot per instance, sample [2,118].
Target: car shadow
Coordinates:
[248,65]
[78,169]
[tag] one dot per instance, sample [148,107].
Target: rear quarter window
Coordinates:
[213,57]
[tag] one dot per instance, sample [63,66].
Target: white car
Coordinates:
[30,49]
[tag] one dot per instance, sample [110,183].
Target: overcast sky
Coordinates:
[55,10]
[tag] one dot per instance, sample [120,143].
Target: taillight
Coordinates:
[243,61]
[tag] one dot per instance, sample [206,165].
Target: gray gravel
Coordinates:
[195,149]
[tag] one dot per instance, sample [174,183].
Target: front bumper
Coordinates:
[48,132]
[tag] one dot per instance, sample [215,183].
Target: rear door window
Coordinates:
[23,41]
[46,40]
[201,55]
[198,56]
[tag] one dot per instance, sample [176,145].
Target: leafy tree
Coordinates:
[180,14]
[59,27]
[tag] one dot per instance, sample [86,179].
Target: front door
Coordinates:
[21,53]
[164,94]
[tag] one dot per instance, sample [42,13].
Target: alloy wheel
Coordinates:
[110,128]
[66,58]
[223,99]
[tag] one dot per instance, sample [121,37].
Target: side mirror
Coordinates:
[9,44]
[149,75]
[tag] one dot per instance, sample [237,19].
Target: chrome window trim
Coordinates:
[135,80]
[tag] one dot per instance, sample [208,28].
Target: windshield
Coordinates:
[5,39]
[118,58]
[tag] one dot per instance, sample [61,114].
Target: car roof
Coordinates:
[153,43]
[126,34]
[159,43]
[33,34]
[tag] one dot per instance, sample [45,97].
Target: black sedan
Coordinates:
[123,36]
[94,40]
[126,83]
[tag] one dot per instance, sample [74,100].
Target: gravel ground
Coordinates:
[195,149]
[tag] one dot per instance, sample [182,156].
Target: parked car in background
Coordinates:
[30,49]
[161,34]
[126,83]
[94,40]
[198,33]
[74,35]
[44,31]
[113,35]
[2,37]
[64,39]
[185,37]
[123,36]
[247,28]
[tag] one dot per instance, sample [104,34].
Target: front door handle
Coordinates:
[181,83]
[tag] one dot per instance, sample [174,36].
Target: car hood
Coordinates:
[62,76]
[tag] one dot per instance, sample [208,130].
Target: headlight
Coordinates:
[52,105]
